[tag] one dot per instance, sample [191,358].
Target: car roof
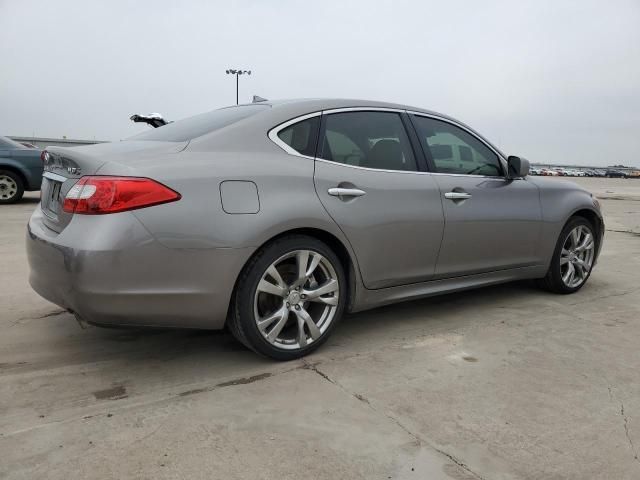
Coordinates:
[308,105]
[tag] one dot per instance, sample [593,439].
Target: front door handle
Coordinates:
[457,195]
[345,192]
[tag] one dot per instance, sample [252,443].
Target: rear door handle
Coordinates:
[345,192]
[457,195]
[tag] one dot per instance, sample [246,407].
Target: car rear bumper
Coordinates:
[110,270]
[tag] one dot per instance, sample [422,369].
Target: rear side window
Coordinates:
[199,125]
[454,150]
[302,136]
[368,139]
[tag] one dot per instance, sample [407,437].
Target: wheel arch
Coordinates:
[595,218]
[551,281]
[333,242]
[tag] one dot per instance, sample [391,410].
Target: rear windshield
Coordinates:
[199,125]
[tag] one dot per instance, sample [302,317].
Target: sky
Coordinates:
[552,81]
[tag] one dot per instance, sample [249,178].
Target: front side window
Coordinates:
[302,136]
[454,150]
[367,139]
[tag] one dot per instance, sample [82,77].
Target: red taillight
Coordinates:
[100,195]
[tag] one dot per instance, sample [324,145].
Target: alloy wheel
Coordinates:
[296,299]
[8,187]
[576,257]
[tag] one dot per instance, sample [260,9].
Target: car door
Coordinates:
[368,178]
[491,222]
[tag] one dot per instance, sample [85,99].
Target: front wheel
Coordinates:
[573,257]
[289,298]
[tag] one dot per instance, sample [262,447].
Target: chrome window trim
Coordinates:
[368,168]
[54,176]
[273,134]
[404,171]
[362,109]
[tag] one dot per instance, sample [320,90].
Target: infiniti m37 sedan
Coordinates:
[274,219]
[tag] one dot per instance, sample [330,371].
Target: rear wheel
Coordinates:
[11,187]
[573,257]
[289,298]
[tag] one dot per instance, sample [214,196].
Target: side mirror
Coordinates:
[518,167]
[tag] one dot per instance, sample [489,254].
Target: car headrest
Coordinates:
[386,154]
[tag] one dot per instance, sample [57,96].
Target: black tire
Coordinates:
[552,281]
[241,321]
[11,187]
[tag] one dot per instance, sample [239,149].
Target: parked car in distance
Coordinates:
[20,170]
[566,172]
[276,218]
[634,174]
[611,173]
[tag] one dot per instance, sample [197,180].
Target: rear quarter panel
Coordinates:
[198,222]
[287,198]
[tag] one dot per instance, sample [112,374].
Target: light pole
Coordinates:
[237,73]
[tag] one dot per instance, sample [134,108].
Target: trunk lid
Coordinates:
[64,166]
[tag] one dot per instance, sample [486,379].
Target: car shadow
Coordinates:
[195,349]
[29,200]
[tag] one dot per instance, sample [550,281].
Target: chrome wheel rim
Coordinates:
[576,258]
[296,299]
[8,187]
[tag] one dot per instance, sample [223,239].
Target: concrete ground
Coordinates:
[499,383]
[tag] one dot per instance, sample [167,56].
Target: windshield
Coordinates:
[199,125]
[8,144]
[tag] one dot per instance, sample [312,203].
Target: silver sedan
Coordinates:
[274,219]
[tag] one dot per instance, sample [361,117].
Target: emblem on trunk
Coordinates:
[73,170]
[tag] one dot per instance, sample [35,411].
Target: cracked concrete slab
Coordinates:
[506,382]
[305,424]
